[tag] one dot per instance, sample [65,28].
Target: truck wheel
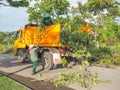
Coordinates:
[47,61]
[21,56]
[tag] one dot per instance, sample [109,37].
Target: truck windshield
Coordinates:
[18,34]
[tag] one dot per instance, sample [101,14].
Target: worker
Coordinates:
[33,57]
[47,21]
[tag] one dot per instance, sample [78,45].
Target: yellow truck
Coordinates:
[50,49]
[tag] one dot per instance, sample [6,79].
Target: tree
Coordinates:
[104,10]
[55,7]
[2,36]
[15,3]
[101,15]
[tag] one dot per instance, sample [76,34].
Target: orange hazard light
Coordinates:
[86,29]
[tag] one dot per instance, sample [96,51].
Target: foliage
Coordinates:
[108,55]
[64,62]
[9,84]
[97,44]
[7,40]
[101,44]
[109,31]
[5,49]
[15,3]
[106,60]
[115,55]
[102,9]
[101,15]
[83,76]
[55,7]
[2,34]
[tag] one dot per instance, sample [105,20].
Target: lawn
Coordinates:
[9,84]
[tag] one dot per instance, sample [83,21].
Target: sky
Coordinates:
[12,19]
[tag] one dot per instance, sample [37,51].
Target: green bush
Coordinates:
[106,60]
[6,49]
[115,54]
[109,55]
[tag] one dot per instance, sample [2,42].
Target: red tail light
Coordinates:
[62,51]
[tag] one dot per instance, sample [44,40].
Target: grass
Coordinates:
[6,49]
[9,84]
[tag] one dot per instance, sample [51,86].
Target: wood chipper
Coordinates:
[50,49]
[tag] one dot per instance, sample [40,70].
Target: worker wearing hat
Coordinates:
[34,58]
[47,21]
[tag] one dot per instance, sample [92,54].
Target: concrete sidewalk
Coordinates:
[105,74]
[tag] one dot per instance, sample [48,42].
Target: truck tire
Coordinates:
[47,60]
[21,56]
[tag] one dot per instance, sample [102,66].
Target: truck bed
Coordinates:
[48,37]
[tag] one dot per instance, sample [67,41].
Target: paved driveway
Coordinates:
[9,64]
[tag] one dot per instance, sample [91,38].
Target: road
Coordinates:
[9,64]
